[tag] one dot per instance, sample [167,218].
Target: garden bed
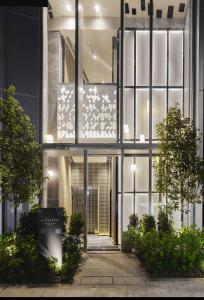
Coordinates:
[166,253]
[22,263]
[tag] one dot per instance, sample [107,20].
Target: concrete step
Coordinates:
[103,248]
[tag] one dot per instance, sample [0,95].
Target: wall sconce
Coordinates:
[50,173]
[142,138]
[126,128]
[133,167]
[49,138]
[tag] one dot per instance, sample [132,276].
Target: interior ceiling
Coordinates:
[100,69]
[111,8]
[91,159]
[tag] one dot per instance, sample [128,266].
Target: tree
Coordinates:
[179,169]
[21,174]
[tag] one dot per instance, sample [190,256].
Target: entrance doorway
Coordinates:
[71,177]
[101,199]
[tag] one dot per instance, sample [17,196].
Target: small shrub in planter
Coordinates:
[28,223]
[128,240]
[133,221]
[76,224]
[165,222]
[148,223]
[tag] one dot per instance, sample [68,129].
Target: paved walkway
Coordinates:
[100,242]
[111,274]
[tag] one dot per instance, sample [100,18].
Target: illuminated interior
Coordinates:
[89,106]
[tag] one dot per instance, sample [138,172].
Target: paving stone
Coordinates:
[127,280]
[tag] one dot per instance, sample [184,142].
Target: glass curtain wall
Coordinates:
[59,105]
[98,105]
[153,81]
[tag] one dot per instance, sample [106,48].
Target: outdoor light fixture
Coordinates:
[134,11]
[49,138]
[127,8]
[159,13]
[142,138]
[182,7]
[170,12]
[133,167]
[143,5]
[97,8]
[69,8]
[50,173]
[126,128]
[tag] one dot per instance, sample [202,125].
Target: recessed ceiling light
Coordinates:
[69,8]
[94,56]
[97,8]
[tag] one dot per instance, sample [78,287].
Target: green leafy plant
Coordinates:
[148,223]
[128,240]
[179,169]
[28,223]
[165,221]
[21,174]
[133,221]
[76,224]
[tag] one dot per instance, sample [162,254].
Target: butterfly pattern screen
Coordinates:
[97,112]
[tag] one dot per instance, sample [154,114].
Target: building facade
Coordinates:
[110,71]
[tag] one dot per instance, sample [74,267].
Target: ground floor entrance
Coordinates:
[106,186]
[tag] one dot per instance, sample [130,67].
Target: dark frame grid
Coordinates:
[121,144]
[166,87]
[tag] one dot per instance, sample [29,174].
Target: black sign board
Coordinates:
[50,233]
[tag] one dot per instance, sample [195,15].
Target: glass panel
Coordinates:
[99,41]
[158,108]
[154,159]
[128,177]
[128,204]
[176,96]
[176,58]
[60,61]
[159,58]
[128,114]
[142,113]
[99,190]
[129,58]
[142,174]
[128,207]
[156,203]
[65,184]
[142,58]
[141,204]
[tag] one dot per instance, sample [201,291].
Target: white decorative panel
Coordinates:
[176,96]
[129,58]
[176,58]
[142,174]
[158,108]
[142,57]
[66,112]
[159,58]
[141,204]
[98,114]
[128,114]
[142,113]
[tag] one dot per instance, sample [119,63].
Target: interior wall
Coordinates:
[54,78]
[98,177]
